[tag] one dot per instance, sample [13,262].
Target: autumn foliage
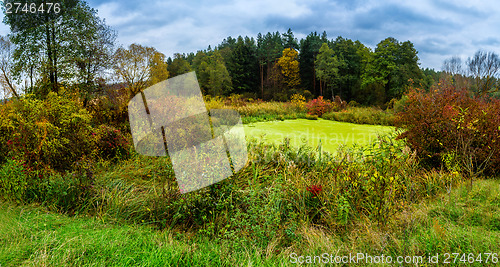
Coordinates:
[289,66]
[319,106]
[449,122]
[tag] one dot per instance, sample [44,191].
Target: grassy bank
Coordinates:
[256,111]
[31,236]
[464,221]
[363,115]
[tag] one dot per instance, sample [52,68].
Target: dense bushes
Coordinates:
[70,191]
[449,124]
[279,191]
[41,141]
[319,106]
[45,134]
[110,109]
[362,115]
[13,181]
[111,143]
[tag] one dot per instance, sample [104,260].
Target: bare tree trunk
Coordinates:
[262,80]
[11,87]
[320,88]
[56,88]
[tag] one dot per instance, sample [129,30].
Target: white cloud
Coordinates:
[439,28]
[113,12]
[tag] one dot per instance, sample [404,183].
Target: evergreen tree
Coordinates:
[270,48]
[351,66]
[289,41]
[309,48]
[243,66]
[179,65]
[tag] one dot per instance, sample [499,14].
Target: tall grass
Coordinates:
[280,185]
[256,111]
[462,221]
[363,115]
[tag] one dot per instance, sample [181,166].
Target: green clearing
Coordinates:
[331,134]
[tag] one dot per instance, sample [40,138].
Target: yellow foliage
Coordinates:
[289,66]
[298,100]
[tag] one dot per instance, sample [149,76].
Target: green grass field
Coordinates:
[465,221]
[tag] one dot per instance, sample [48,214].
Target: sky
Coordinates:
[439,29]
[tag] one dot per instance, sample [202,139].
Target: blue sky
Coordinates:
[439,29]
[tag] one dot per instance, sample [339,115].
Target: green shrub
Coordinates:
[68,192]
[400,104]
[308,95]
[13,181]
[311,117]
[353,103]
[45,134]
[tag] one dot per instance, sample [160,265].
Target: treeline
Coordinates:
[275,66]
[77,51]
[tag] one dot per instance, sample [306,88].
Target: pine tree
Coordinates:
[309,48]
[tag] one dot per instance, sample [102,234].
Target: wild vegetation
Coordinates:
[73,190]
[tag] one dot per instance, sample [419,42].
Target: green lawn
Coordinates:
[465,221]
[31,236]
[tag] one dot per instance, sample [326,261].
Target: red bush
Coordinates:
[447,119]
[111,143]
[319,106]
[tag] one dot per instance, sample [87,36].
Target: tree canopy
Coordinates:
[76,48]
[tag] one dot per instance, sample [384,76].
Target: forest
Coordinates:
[78,51]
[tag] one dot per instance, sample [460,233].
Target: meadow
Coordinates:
[116,207]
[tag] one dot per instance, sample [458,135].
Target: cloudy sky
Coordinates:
[439,29]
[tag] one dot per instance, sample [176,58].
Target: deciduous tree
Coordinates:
[484,67]
[138,66]
[6,80]
[51,47]
[326,66]
[289,66]
[394,65]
